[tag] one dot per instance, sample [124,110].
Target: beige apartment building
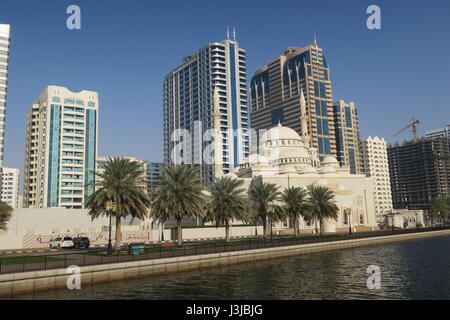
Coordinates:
[10,186]
[376,166]
[61,148]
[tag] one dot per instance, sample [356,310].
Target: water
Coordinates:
[418,269]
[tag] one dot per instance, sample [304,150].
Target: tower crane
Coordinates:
[413,125]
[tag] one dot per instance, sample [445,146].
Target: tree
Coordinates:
[439,206]
[179,194]
[122,182]
[228,202]
[322,205]
[295,204]
[5,214]
[264,197]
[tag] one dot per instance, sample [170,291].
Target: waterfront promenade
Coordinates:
[65,258]
[96,268]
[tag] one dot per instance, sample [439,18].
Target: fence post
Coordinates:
[23,263]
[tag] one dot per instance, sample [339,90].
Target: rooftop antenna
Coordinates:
[234,34]
[228,32]
[315,39]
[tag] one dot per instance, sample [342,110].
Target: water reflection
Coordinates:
[417,269]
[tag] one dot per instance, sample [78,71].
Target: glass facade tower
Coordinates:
[275,94]
[188,105]
[61,149]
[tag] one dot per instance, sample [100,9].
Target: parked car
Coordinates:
[81,242]
[61,242]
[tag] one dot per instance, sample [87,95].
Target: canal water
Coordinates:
[418,269]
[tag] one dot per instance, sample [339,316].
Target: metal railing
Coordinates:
[24,263]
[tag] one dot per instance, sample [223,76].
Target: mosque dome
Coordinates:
[280,133]
[284,146]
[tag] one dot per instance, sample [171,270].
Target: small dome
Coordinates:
[330,160]
[308,169]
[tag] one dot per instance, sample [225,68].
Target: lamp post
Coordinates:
[110,208]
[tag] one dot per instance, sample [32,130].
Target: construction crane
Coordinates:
[413,126]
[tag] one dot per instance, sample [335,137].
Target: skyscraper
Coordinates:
[346,124]
[376,166]
[188,105]
[419,171]
[275,95]
[10,187]
[5,31]
[61,148]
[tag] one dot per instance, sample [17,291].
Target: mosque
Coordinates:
[286,159]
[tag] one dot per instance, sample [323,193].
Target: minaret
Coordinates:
[304,120]
[218,167]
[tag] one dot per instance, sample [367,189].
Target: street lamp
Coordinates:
[110,208]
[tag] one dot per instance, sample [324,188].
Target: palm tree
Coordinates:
[322,205]
[438,208]
[295,204]
[122,182]
[228,202]
[263,197]
[5,214]
[178,195]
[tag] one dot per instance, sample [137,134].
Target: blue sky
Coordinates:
[125,48]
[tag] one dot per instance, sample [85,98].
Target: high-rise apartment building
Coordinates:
[441,132]
[10,187]
[276,90]
[5,34]
[420,171]
[346,124]
[188,105]
[376,166]
[61,148]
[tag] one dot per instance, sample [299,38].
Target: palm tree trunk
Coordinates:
[118,234]
[227,231]
[295,227]
[321,226]
[179,232]
[317,229]
[265,227]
